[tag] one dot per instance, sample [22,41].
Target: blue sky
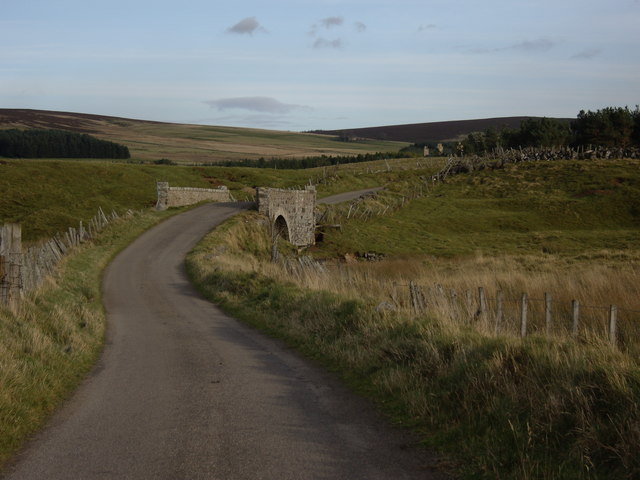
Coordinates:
[319,64]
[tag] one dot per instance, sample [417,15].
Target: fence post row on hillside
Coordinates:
[478,310]
[22,271]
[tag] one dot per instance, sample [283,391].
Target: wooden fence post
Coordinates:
[613,327]
[523,315]
[4,271]
[417,299]
[482,304]
[468,297]
[499,314]
[547,312]
[575,316]
[11,261]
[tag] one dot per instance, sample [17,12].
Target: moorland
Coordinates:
[182,143]
[554,404]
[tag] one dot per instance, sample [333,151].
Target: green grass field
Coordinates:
[48,196]
[567,207]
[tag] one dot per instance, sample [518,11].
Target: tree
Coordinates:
[611,126]
[544,132]
[38,143]
[635,135]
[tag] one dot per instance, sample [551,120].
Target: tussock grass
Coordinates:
[543,407]
[54,339]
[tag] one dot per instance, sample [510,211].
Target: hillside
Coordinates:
[566,208]
[183,143]
[432,131]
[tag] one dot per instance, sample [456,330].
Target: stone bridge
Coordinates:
[181,196]
[291,212]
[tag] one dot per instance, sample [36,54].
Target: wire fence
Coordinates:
[524,315]
[23,270]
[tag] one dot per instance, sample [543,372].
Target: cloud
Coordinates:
[482,51]
[255,104]
[247,26]
[526,46]
[430,26]
[328,23]
[538,45]
[587,54]
[331,22]
[324,43]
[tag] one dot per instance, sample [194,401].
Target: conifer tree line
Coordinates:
[37,143]
[608,127]
[308,162]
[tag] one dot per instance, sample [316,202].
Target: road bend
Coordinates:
[183,391]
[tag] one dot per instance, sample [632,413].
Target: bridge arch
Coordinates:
[291,213]
[281,227]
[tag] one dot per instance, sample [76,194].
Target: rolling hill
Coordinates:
[183,143]
[431,132]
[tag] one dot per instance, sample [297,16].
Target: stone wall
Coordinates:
[181,196]
[295,207]
[23,270]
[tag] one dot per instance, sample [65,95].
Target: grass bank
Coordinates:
[559,208]
[48,347]
[501,407]
[543,407]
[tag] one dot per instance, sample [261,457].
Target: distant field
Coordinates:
[180,143]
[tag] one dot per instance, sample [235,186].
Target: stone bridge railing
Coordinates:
[181,196]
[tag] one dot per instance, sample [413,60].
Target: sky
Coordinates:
[319,64]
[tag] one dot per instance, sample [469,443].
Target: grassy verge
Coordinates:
[501,407]
[49,346]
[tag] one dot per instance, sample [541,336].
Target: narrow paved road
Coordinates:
[343,197]
[183,391]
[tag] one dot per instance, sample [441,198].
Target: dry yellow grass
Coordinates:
[543,407]
[451,286]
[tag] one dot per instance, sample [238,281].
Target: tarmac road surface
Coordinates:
[344,197]
[183,391]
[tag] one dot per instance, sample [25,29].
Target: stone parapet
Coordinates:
[182,196]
